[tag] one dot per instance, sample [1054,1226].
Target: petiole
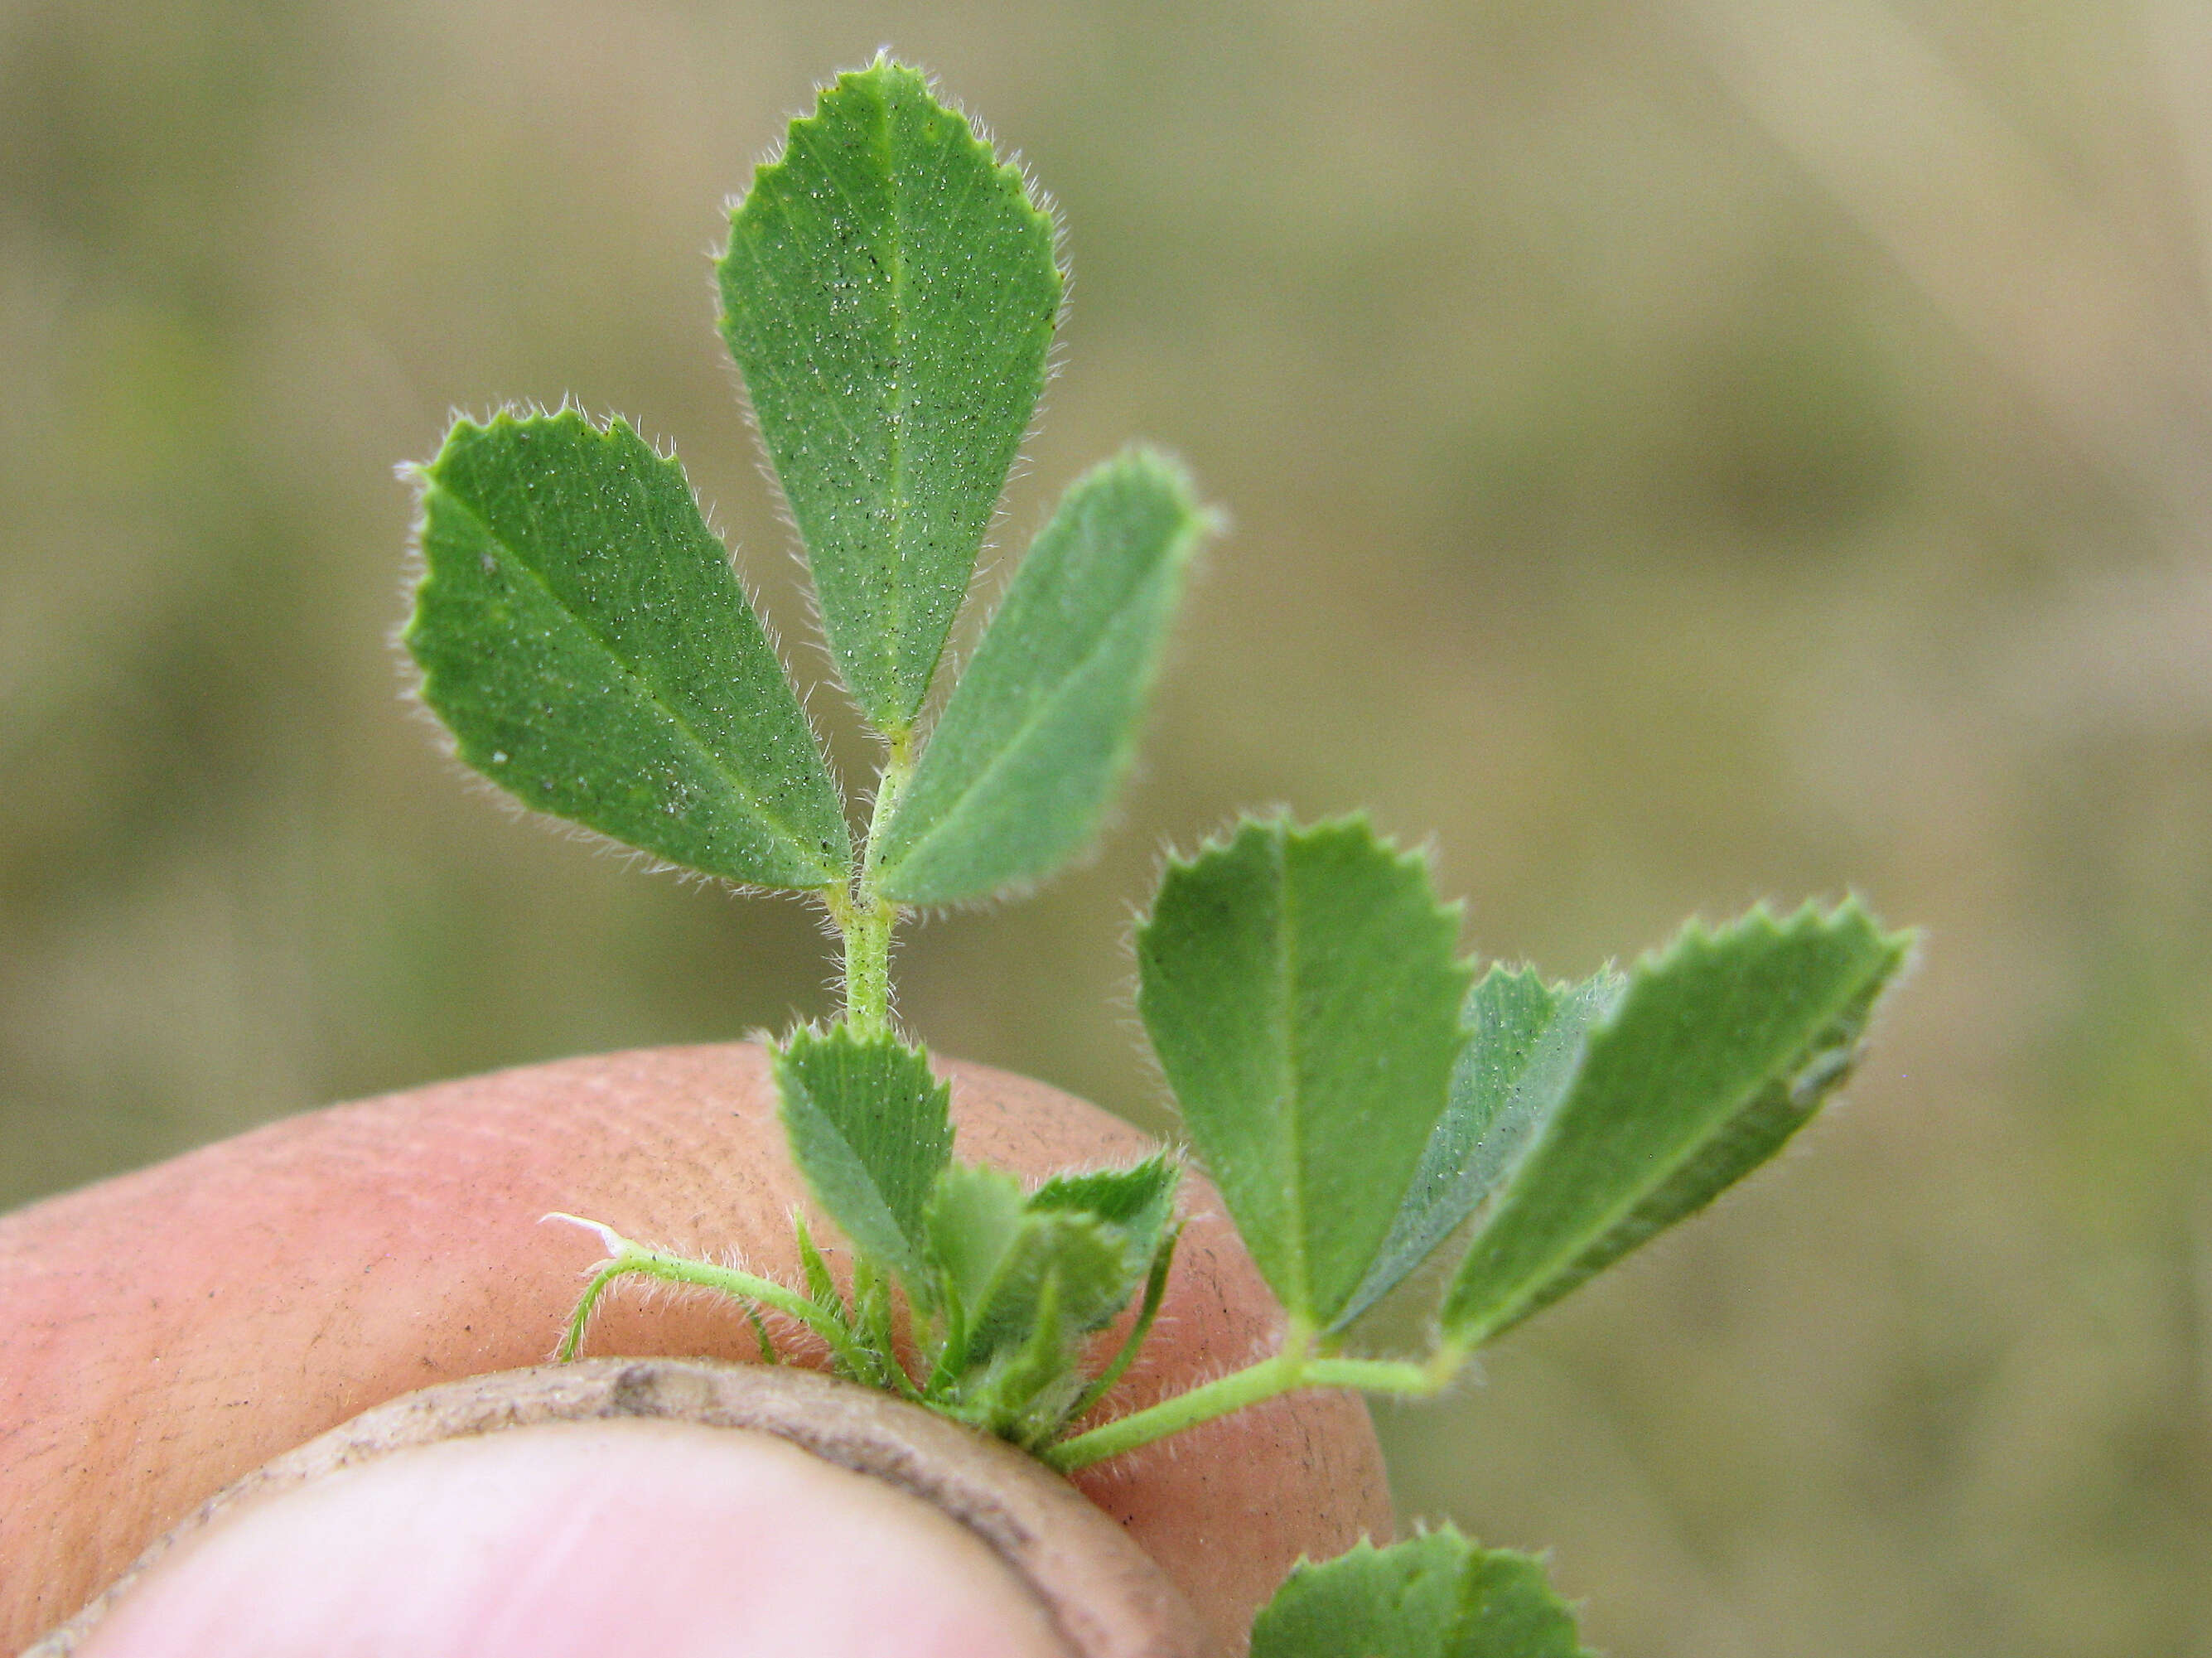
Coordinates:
[1297,1366]
[625,1258]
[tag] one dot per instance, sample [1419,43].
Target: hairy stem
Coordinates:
[868,969]
[625,1258]
[865,920]
[1297,1366]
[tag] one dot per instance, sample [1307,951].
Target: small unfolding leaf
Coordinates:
[580,631]
[1023,760]
[889,293]
[1301,991]
[974,1217]
[1025,1388]
[1140,1198]
[1717,1051]
[1525,1041]
[870,1126]
[998,1252]
[1134,1205]
[1437,1595]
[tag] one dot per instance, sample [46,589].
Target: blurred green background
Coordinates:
[1682,451]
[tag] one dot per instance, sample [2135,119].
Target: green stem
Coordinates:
[868,969]
[866,920]
[1297,1366]
[872,1310]
[952,1355]
[626,1257]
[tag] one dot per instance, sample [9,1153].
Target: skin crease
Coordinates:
[171,1329]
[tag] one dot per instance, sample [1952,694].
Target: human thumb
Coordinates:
[604,1532]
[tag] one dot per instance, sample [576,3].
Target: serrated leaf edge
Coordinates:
[914,1271]
[1694,934]
[1009,168]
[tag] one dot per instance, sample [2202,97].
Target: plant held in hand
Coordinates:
[1362,1097]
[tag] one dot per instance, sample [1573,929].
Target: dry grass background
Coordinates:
[1683,450]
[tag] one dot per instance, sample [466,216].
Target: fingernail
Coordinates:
[586,1538]
[675,1508]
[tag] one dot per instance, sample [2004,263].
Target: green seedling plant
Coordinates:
[1367,1103]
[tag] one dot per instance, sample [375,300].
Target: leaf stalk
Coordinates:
[627,1257]
[866,920]
[1297,1366]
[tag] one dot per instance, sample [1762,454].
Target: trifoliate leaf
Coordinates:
[1019,1288]
[580,631]
[1717,1051]
[1303,996]
[1020,766]
[871,1129]
[1524,1044]
[888,292]
[1437,1595]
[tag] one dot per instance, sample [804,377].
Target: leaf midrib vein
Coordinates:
[904,591]
[903,350]
[873,1185]
[1293,1074]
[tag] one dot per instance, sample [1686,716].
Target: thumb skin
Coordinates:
[170,1330]
[584,1538]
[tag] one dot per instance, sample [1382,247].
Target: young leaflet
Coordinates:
[1361,1096]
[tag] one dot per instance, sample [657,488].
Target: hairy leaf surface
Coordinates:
[889,293]
[1437,1595]
[871,1128]
[1301,993]
[1718,1050]
[1039,728]
[1525,1041]
[580,631]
